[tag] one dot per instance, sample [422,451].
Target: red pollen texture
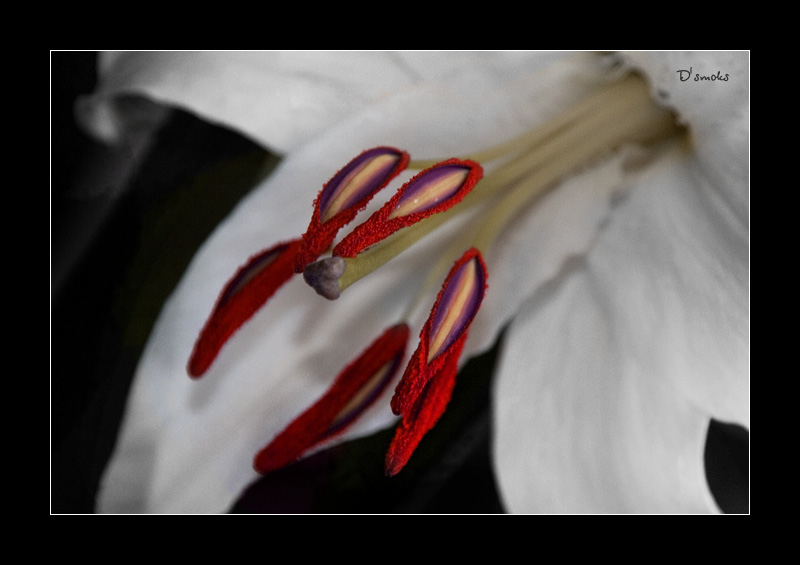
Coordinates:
[419,371]
[234,309]
[310,428]
[423,415]
[319,236]
[379,226]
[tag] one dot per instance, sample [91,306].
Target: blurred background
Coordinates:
[124,223]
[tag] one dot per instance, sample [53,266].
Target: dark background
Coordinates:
[124,223]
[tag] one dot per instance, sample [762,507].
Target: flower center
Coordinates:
[524,169]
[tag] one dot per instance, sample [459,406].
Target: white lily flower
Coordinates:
[626,288]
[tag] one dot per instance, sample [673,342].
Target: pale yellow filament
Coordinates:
[535,162]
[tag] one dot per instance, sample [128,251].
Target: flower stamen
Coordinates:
[423,415]
[424,391]
[443,336]
[442,186]
[458,305]
[248,290]
[348,192]
[355,389]
[340,199]
[430,192]
[527,167]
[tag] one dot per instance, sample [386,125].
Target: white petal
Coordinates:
[609,377]
[685,263]
[280,99]
[714,101]
[534,248]
[579,427]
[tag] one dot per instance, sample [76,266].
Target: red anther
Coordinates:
[337,203]
[342,197]
[420,419]
[353,391]
[249,289]
[419,198]
[444,333]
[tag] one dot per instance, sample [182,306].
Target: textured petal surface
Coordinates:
[580,429]
[611,373]
[281,99]
[717,112]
